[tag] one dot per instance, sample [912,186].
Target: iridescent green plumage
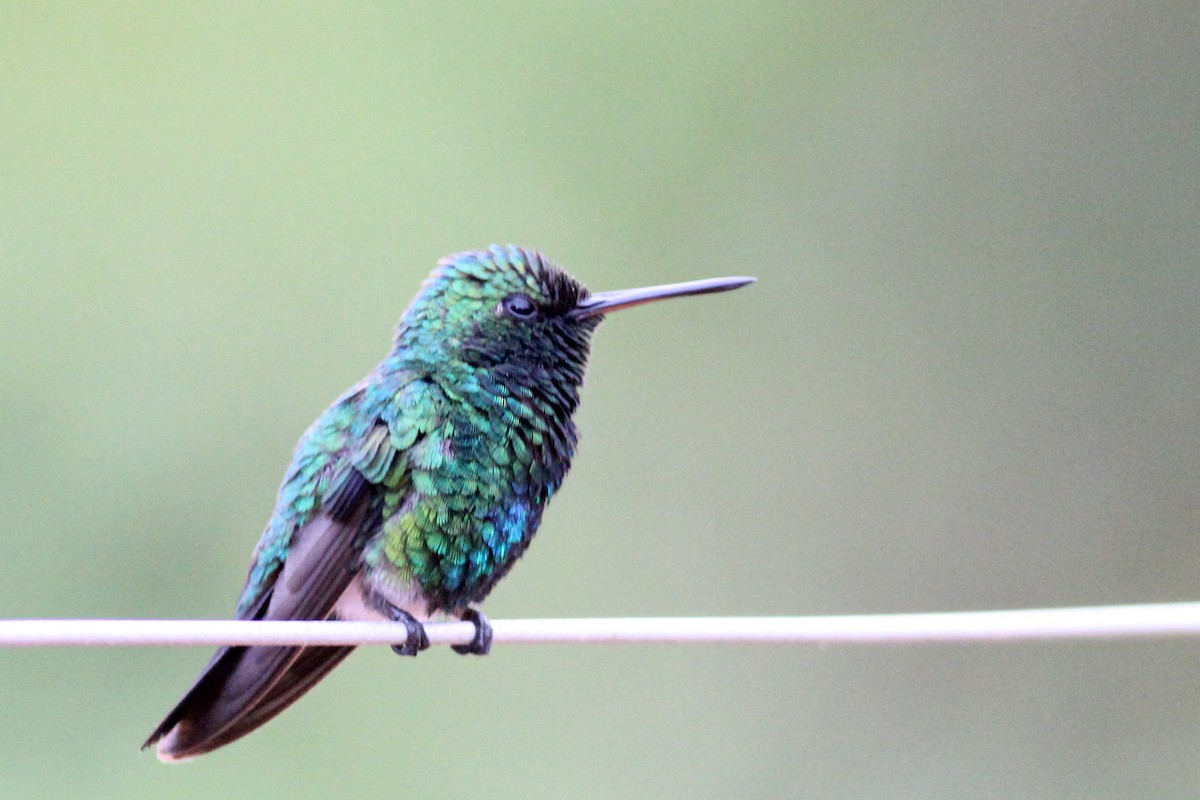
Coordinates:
[421,486]
[465,429]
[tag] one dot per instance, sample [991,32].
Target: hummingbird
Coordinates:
[421,486]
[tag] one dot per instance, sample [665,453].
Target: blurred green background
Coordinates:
[968,378]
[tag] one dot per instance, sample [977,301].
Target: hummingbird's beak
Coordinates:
[605,302]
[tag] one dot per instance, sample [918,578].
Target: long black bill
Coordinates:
[605,302]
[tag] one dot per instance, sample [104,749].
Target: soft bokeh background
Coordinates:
[969,378]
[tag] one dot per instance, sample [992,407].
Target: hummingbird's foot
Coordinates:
[482,642]
[416,641]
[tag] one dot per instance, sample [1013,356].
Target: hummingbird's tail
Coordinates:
[241,689]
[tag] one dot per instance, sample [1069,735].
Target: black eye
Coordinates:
[519,306]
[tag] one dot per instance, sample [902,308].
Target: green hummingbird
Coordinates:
[422,485]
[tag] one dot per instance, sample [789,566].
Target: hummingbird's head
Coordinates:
[514,311]
[502,306]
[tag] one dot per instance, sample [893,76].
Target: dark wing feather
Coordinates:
[243,687]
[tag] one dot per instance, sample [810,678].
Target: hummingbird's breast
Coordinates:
[486,456]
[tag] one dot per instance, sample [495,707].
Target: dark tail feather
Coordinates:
[313,664]
[241,689]
[231,686]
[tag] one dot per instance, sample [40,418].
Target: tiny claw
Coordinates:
[416,639]
[482,643]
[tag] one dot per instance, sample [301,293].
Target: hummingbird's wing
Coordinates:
[243,687]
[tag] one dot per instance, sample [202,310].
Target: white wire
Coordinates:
[1096,622]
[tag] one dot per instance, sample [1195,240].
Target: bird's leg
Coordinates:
[416,640]
[482,642]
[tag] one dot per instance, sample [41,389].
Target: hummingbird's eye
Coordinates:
[519,306]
